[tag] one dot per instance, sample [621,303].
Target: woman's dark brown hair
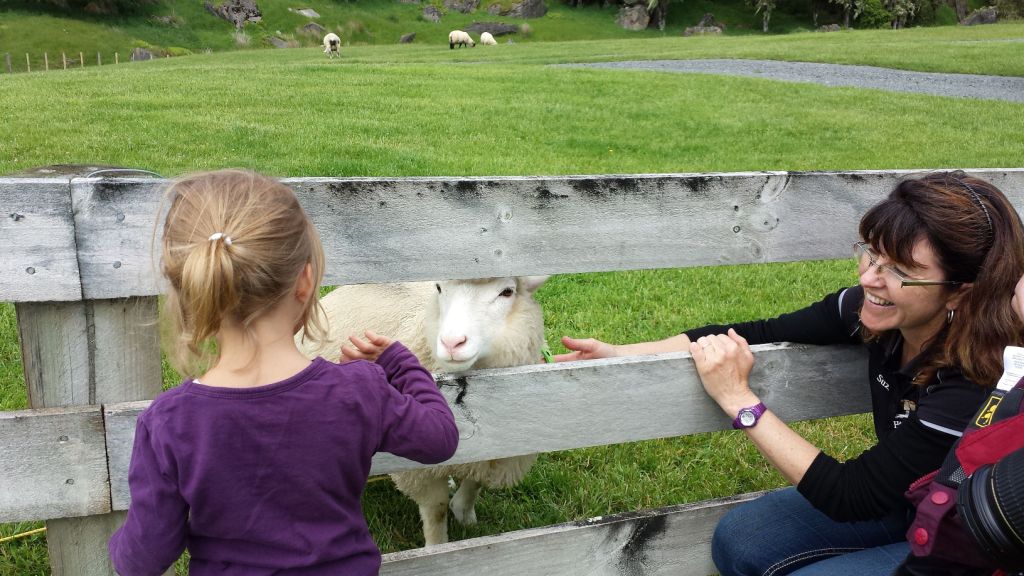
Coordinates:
[978,239]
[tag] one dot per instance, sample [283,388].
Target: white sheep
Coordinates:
[461,38]
[332,45]
[487,40]
[450,326]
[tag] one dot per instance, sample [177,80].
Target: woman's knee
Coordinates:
[729,544]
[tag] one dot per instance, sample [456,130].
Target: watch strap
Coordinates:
[756,411]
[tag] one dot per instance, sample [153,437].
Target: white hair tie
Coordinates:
[220,235]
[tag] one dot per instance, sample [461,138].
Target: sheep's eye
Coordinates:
[507,293]
[438,286]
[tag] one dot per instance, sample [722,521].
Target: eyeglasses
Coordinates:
[866,258]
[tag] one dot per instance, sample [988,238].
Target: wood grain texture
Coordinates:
[37,233]
[546,408]
[663,542]
[54,464]
[54,339]
[403,229]
[126,349]
[80,353]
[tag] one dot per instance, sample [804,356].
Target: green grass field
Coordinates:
[425,110]
[31,27]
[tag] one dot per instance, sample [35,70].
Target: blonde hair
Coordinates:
[267,241]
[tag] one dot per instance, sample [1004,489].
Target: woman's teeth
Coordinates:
[876,300]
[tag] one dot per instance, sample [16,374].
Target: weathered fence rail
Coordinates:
[78,266]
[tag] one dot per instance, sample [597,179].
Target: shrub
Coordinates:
[945,15]
[874,15]
[1010,9]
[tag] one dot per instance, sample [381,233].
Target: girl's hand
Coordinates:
[369,349]
[724,363]
[585,349]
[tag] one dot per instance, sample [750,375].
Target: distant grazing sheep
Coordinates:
[461,38]
[332,45]
[450,326]
[487,40]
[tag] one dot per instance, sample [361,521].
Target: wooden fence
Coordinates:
[78,267]
[62,60]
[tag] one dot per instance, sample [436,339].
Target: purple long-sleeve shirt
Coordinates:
[267,480]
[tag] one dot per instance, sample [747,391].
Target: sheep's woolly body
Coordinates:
[409,313]
[332,44]
[487,39]
[461,38]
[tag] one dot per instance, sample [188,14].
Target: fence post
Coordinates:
[117,57]
[46,62]
[64,59]
[28,63]
[81,60]
[88,352]
[99,61]
[7,60]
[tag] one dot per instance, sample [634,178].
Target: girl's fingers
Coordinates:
[378,339]
[361,345]
[350,353]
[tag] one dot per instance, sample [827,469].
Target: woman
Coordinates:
[936,260]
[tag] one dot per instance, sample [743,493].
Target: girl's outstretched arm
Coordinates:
[417,422]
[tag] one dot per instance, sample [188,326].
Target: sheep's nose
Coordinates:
[453,342]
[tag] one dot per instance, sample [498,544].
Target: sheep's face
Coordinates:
[472,315]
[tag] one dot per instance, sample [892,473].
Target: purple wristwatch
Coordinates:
[748,417]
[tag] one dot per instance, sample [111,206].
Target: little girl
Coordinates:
[258,465]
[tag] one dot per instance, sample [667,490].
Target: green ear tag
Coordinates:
[546,352]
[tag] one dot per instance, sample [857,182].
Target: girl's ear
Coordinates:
[304,286]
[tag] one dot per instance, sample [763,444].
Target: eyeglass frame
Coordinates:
[861,249]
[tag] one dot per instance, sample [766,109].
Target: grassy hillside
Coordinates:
[25,28]
[409,110]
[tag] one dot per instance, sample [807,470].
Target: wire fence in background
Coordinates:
[67,60]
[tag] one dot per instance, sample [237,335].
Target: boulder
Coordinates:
[527,9]
[431,14]
[171,21]
[986,15]
[830,28]
[314,29]
[464,6]
[633,17]
[708,21]
[702,31]
[238,12]
[407,38]
[282,43]
[495,28]
[494,9]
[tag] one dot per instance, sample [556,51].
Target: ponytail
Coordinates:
[208,290]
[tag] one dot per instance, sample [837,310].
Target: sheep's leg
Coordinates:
[433,503]
[463,503]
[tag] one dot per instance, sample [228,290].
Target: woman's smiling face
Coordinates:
[916,311]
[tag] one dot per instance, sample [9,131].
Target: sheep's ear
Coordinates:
[531,283]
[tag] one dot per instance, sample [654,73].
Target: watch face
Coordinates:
[747,418]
